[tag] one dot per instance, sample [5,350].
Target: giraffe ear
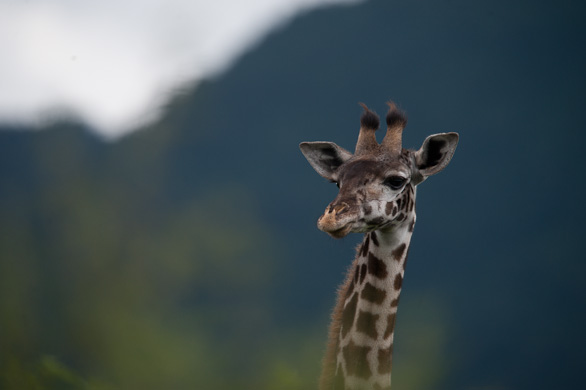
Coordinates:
[435,153]
[325,157]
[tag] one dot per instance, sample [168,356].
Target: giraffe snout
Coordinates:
[333,222]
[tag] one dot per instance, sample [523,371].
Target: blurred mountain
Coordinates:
[186,255]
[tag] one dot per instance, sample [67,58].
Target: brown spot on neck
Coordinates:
[373,294]
[366,323]
[356,360]
[398,282]
[397,253]
[377,267]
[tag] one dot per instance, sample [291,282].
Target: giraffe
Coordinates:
[377,186]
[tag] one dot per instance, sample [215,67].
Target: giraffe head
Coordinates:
[377,182]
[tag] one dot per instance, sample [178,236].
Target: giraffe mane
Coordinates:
[329,361]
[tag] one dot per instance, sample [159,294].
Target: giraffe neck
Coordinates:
[361,335]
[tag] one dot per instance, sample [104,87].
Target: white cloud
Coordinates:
[113,63]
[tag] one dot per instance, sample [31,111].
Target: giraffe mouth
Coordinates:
[340,233]
[335,230]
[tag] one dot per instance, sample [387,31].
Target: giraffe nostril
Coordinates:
[340,208]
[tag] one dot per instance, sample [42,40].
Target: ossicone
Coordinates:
[369,123]
[396,122]
[369,120]
[395,117]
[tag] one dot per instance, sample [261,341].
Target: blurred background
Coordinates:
[157,220]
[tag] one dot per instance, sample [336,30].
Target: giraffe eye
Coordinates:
[395,182]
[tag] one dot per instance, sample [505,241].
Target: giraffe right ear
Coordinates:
[435,153]
[325,157]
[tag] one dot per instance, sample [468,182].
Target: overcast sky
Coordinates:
[113,63]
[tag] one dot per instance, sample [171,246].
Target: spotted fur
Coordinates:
[377,197]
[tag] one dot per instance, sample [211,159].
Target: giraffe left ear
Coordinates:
[325,157]
[435,153]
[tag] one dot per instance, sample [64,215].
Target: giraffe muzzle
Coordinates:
[335,220]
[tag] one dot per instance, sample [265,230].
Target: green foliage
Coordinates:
[138,301]
[116,292]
